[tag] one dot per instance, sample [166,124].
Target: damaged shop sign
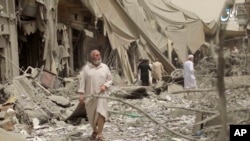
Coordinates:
[48,79]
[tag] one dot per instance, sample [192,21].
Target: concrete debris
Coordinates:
[117,80]
[61,101]
[8,136]
[42,103]
[59,116]
[7,125]
[2,115]
[159,84]
[168,98]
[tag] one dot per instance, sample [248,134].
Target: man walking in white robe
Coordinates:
[95,78]
[157,71]
[189,78]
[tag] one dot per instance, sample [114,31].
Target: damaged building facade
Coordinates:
[9,63]
[57,35]
[45,41]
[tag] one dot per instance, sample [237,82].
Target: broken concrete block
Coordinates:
[68,82]
[159,84]
[34,73]
[2,115]
[68,79]
[168,98]
[7,136]
[174,88]
[11,100]
[10,112]
[7,124]
[35,122]
[133,122]
[60,100]
[5,108]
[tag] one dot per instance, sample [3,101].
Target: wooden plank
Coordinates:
[199,117]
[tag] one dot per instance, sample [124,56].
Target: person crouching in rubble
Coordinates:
[189,77]
[95,78]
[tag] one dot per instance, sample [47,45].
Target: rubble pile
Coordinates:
[235,64]
[37,113]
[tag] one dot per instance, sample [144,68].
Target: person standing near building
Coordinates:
[95,78]
[189,77]
[157,71]
[144,69]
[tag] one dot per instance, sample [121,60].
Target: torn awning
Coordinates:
[120,32]
[184,28]
[154,21]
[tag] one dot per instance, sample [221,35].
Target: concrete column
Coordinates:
[170,49]
[13,48]
[71,51]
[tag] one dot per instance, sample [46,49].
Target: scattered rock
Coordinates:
[60,100]
[2,115]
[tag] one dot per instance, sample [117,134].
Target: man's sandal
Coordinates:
[100,138]
[93,135]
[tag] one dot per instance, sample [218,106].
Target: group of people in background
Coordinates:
[149,73]
[155,70]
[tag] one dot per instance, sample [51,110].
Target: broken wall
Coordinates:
[83,32]
[8,41]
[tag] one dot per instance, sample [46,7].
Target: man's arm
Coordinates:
[81,83]
[81,86]
[109,81]
[191,67]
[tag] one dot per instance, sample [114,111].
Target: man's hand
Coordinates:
[103,88]
[81,98]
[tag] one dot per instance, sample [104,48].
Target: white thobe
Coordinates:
[189,78]
[91,79]
[157,71]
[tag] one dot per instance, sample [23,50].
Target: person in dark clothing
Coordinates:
[144,71]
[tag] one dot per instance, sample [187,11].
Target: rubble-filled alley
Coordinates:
[46,46]
[32,112]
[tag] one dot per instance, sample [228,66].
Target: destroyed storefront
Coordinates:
[57,36]
[51,33]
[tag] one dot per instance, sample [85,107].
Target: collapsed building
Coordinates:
[57,36]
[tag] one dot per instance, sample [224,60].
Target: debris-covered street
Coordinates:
[124,70]
[42,116]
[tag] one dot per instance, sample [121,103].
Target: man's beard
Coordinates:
[97,62]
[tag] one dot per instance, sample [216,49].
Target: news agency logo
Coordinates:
[228,15]
[238,14]
[239,132]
